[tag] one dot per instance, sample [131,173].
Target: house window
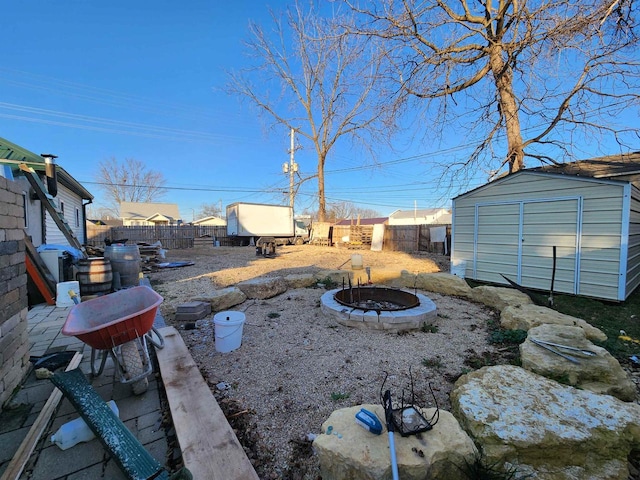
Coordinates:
[25,203]
[62,207]
[77,217]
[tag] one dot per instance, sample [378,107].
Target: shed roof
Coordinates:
[601,167]
[623,167]
[12,154]
[16,154]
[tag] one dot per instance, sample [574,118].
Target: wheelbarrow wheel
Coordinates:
[132,363]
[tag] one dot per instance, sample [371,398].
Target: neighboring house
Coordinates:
[589,211]
[71,197]
[440,216]
[363,221]
[139,213]
[109,222]
[211,221]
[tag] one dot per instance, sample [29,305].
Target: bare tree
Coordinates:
[326,81]
[347,210]
[128,181]
[211,210]
[530,77]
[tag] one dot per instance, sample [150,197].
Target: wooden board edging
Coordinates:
[210,448]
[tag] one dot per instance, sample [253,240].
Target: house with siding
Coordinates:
[71,197]
[424,216]
[575,223]
[149,213]
[210,221]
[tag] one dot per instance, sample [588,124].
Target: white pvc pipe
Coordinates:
[394,460]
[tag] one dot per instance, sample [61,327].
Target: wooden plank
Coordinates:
[377,237]
[19,460]
[210,448]
[37,271]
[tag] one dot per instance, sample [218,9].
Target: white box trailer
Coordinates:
[258,221]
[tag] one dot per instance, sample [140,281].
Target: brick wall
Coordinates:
[14,337]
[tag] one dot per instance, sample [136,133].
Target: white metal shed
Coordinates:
[510,226]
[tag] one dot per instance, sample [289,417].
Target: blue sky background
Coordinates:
[92,80]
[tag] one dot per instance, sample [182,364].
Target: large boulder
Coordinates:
[525,317]
[600,373]
[263,287]
[545,429]
[499,297]
[223,299]
[351,452]
[300,280]
[337,277]
[443,283]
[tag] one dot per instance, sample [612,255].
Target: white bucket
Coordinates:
[356,261]
[458,268]
[228,330]
[62,293]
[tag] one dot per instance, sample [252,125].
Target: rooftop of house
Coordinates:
[418,213]
[144,210]
[363,221]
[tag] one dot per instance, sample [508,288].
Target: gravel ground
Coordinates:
[296,366]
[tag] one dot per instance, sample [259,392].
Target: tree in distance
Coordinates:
[128,181]
[211,210]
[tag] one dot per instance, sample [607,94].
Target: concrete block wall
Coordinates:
[14,336]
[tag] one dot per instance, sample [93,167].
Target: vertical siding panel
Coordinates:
[600,230]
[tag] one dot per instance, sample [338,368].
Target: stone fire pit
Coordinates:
[369,310]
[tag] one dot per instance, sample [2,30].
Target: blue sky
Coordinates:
[92,80]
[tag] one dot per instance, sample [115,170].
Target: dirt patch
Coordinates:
[296,366]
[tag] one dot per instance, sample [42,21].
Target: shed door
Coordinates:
[497,243]
[516,240]
[544,225]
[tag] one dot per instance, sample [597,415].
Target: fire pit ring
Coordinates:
[411,318]
[376,298]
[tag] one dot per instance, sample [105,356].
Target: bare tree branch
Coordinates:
[129,181]
[536,70]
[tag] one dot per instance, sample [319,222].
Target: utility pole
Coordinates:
[291,168]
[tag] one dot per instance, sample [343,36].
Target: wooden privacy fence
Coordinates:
[402,238]
[414,238]
[170,236]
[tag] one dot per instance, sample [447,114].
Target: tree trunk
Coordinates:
[508,105]
[322,206]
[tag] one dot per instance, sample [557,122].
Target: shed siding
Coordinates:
[582,217]
[633,251]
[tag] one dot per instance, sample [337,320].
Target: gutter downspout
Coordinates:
[84,217]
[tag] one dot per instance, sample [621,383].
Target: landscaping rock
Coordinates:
[525,317]
[443,283]
[499,297]
[544,429]
[300,280]
[265,287]
[599,374]
[223,299]
[352,452]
